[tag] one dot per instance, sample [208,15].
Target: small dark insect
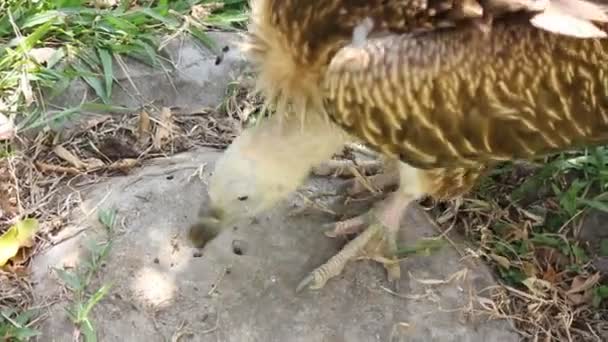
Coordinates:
[238,247]
[220,58]
[243,198]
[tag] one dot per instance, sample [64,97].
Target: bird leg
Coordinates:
[377,242]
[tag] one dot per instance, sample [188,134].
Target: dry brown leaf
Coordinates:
[94,164]
[123,165]
[538,287]
[44,167]
[579,284]
[143,129]
[68,156]
[580,298]
[164,128]
[550,275]
[202,11]
[502,261]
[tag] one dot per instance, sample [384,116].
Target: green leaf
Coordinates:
[88,331]
[108,73]
[94,82]
[599,205]
[41,18]
[604,247]
[579,254]
[599,294]
[41,121]
[101,107]
[168,21]
[204,38]
[70,279]
[107,218]
[545,240]
[34,38]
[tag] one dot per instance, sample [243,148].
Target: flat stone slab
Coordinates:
[163,289]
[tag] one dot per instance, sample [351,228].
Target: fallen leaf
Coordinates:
[164,128]
[42,55]
[580,298]
[501,260]
[66,155]
[550,275]
[44,167]
[26,89]
[94,164]
[123,165]
[7,128]
[202,11]
[529,269]
[579,284]
[537,286]
[18,235]
[143,129]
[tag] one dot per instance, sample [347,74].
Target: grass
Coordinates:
[44,45]
[526,222]
[79,281]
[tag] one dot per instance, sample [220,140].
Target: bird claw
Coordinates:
[346,227]
[311,282]
[334,266]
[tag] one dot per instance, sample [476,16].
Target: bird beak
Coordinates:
[208,227]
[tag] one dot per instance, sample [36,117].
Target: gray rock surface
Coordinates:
[160,284]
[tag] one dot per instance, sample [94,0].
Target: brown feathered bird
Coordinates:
[444,89]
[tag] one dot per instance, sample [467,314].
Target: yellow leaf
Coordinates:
[19,235]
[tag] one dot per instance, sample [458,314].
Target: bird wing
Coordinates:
[572,17]
[461,97]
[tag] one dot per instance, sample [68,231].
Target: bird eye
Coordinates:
[242,198]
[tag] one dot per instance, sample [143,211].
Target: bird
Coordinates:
[443,90]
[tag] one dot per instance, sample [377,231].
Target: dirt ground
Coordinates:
[162,289]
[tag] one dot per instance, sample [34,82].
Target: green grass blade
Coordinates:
[106,63]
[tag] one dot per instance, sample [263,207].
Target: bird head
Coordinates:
[261,167]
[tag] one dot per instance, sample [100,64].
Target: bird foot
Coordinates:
[368,245]
[377,242]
